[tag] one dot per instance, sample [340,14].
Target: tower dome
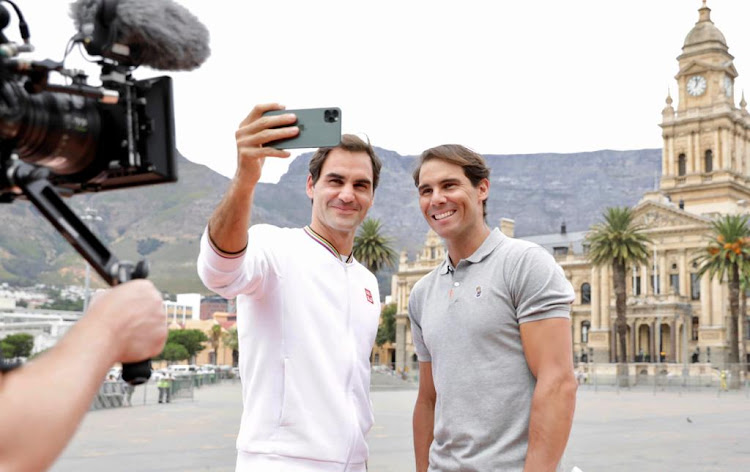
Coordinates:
[704,35]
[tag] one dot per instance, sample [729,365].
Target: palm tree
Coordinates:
[727,256]
[373,249]
[620,242]
[214,337]
[231,341]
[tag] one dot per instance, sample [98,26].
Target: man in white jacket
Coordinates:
[307,312]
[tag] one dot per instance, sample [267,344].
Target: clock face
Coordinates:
[727,86]
[696,85]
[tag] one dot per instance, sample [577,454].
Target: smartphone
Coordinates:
[318,127]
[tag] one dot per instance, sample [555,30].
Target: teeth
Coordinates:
[444,215]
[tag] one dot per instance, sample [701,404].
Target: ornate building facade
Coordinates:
[673,315]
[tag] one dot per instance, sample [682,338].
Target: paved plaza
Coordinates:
[631,430]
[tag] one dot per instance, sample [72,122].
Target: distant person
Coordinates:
[42,402]
[307,312]
[164,385]
[502,307]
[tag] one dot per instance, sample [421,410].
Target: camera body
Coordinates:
[90,139]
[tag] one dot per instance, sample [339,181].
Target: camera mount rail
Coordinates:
[33,182]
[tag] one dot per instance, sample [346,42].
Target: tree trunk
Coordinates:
[621,324]
[734,314]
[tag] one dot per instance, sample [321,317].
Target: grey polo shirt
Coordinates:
[465,320]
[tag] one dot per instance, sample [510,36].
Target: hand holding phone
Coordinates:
[318,127]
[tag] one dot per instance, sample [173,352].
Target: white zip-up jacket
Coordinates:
[306,322]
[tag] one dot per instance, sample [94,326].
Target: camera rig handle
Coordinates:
[33,182]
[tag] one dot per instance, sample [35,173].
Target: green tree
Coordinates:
[174,352]
[7,350]
[64,304]
[618,242]
[387,328]
[148,245]
[191,339]
[18,345]
[727,257]
[373,249]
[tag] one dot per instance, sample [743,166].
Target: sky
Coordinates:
[517,77]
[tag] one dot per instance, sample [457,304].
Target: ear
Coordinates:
[309,187]
[483,189]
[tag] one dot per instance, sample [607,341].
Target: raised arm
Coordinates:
[42,403]
[229,222]
[546,344]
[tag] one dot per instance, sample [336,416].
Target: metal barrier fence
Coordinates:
[116,393]
[666,377]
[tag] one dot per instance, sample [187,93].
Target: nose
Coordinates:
[437,198]
[347,194]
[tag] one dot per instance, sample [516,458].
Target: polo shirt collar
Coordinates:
[489,244]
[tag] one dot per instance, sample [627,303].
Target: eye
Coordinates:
[425,191]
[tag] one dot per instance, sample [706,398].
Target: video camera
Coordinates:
[67,139]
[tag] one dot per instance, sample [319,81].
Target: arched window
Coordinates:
[585,294]
[681,165]
[585,325]
[708,161]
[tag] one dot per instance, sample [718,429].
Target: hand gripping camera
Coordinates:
[67,139]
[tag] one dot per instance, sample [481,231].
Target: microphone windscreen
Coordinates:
[160,33]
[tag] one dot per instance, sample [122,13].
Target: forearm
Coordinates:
[42,403]
[423,425]
[229,222]
[551,418]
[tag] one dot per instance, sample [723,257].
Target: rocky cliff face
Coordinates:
[164,222]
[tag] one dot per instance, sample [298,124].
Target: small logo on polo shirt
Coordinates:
[479,291]
[368,294]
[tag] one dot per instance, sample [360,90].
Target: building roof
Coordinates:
[705,32]
[553,240]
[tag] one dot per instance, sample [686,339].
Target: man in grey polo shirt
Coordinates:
[491,326]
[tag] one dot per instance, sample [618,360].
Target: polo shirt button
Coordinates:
[456,284]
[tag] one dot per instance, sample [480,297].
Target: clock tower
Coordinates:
[706,154]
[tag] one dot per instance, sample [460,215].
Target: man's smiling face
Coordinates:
[449,202]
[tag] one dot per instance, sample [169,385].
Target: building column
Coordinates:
[706,305]
[663,274]
[401,324]
[690,154]
[720,162]
[595,289]
[633,338]
[672,158]
[654,344]
[658,339]
[672,355]
[682,265]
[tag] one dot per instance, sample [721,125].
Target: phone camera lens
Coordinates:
[331,116]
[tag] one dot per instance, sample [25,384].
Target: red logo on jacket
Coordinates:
[368,294]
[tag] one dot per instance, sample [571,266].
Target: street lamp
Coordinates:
[89,215]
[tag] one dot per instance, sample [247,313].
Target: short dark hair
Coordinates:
[351,143]
[474,166]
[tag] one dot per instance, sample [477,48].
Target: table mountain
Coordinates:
[164,222]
